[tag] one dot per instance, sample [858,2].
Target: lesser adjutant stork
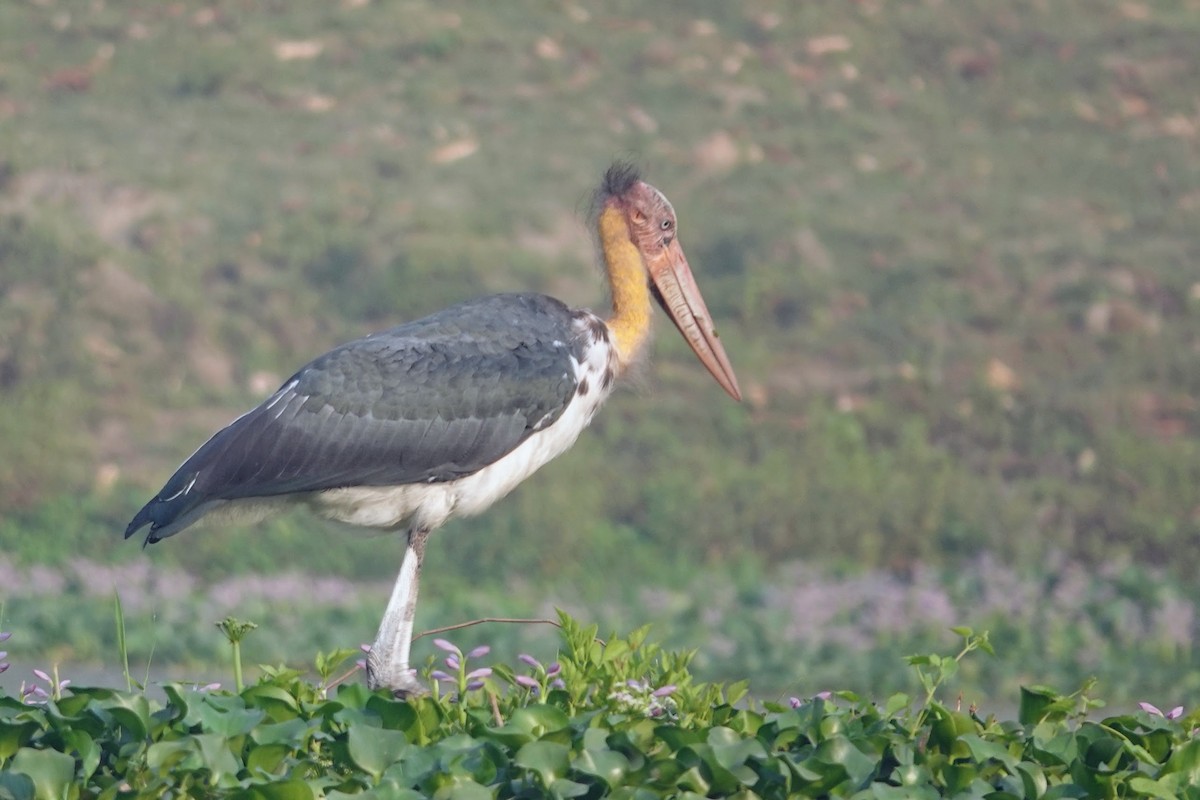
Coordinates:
[443,416]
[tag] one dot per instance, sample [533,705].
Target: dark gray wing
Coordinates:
[432,400]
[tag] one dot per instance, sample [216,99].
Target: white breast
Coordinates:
[431,504]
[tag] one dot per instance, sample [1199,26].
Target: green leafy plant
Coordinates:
[283,737]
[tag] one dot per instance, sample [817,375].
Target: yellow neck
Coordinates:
[629,324]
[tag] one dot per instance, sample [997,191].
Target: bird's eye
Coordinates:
[666,225]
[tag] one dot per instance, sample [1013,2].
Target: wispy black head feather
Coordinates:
[619,179]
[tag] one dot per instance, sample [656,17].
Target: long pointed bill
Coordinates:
[680,298]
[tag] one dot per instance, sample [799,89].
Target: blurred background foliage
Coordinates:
[951,245]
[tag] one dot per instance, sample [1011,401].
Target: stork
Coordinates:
[441,417]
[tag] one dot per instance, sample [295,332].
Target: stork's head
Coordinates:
[652,229]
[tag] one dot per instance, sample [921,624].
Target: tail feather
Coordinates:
[168,513]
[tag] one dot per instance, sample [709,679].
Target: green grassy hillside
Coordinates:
[951,247]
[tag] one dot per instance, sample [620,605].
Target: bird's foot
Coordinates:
[402,681]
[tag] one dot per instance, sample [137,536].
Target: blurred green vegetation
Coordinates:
[951,247]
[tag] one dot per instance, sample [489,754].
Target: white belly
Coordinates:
[428,505]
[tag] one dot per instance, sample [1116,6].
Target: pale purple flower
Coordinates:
[553,669]
[530,660]
[482,672]
[473,685]
[1173,714]
[452,662]
[527,682]
[38,694]
[438,675]
[5,636]
[479,652]
[557,683]
[449,647]
[796,702]
[664,691]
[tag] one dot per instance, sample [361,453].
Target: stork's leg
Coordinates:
[387,663]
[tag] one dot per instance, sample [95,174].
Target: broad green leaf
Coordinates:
[175,755]
[375,749]
[52,772]
[464,789]
[229,722]
[267,758]
[1153,788]
[395,715]
[566,788]
[294,732]
[549,760]
[14,735]
[540,719]
[1185,760]
[677,737]
[1033,779]
[16,786]
[131,711]
[216,756]
[85,747]
[607,765]
[278,704]
[841,751]
[895,703]
[288,789]
[982,750]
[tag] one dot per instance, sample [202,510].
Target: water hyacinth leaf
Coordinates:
[507,735]
[539,720]
[353,695]
[716,777]
[1033,779]
[607,765]
[881,791]
[16,786]
[280,790]
[1185,761]
[568,788]
[393,714]
[216,756]
[229,722]
[549,760]
[52,772]
[1149,787]
[678,738]
[414,769]
[464,789]
[983,750]
[693,780]
[293,733]
[373,750]
[179,755]
[85,749]
[841,751]
[732,751]
[1039,703]
[279,705]
[267,758]
[15,734]
[895,703]
[131,711]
